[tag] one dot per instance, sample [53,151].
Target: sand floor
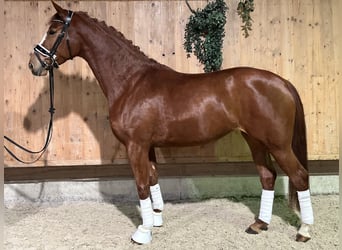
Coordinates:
[205,224]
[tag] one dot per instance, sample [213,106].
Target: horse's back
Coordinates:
[240,91]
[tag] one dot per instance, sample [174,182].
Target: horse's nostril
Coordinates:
[30,66]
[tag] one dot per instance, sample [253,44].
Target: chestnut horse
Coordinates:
[151,105]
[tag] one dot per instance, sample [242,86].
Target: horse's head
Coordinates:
[58,44]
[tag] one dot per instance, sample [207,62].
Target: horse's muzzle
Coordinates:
[35,66]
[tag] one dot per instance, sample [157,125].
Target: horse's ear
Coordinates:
[62,12]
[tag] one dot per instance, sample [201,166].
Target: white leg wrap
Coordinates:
[158,203]
[157,219]
[157,198]
[146,212]
[266,206]
[305,205]
[143,235]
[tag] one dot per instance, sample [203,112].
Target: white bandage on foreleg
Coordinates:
[305,205]
[157,198]
[266,206]
[146,213]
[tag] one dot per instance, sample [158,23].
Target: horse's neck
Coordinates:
[113,61]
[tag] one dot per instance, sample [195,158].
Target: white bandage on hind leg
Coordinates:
[266,206]
[157,198]
[146,213]
[305,205]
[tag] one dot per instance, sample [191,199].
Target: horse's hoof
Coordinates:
[250,230]
[301,238]
[142,236]
[134,242]
[257,227]
[303,234]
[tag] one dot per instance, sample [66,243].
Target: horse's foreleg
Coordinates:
[156,195]
[267,177]
[138,157]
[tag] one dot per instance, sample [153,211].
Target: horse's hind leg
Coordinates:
[156,195]
[299,177]
[268,176]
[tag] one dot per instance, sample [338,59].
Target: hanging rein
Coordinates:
[49,66]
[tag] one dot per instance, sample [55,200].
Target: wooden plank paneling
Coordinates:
[295,39]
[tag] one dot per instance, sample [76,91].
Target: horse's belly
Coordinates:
[193,131]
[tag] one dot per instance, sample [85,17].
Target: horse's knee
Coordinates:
[143,191]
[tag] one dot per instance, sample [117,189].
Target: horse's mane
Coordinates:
[110,31]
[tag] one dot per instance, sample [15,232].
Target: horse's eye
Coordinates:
[52,32]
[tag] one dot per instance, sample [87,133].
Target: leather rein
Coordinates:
[51,54]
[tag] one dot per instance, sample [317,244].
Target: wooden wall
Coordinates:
[296,39]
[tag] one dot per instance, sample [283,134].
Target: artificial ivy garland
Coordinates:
[204,31]
[204,34]
[244,10]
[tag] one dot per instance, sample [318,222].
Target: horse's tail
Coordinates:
[299,145]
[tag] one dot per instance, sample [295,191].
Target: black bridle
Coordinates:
[51,54]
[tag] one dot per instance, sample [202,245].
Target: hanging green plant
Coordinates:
[244,10]
[204,34]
